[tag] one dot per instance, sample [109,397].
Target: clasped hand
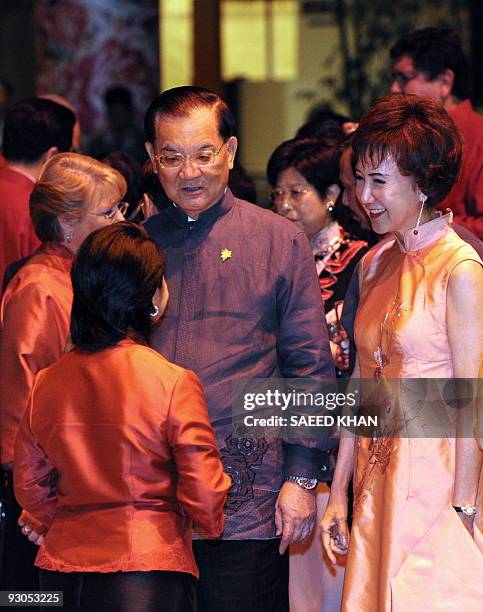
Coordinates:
[335,532]
[30,533]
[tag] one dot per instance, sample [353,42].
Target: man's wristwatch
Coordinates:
[306,483]
[466,509]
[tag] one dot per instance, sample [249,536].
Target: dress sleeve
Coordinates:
[202,484]
[303,349]
[34,476]
[33,336]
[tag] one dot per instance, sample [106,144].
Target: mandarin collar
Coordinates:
[209,216]
[425,234]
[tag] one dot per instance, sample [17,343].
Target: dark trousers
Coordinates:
[123,591]
[241,576]
[18,569]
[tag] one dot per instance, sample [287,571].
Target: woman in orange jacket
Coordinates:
[116,456]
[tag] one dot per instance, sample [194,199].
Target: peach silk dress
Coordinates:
[409,550]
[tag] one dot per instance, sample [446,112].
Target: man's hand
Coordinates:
[31,534]
[295,513]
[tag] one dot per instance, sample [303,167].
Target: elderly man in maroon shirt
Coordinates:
[431,62]
[244,303]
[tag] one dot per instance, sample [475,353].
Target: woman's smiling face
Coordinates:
[391,200]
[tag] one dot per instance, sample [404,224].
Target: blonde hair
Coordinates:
[69,186]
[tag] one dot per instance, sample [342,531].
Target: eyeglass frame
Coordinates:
[122,207]
[184,158]
[281,192]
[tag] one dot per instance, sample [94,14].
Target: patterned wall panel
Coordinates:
[85,46]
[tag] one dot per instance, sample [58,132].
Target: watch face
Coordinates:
[305,483]
[310,483]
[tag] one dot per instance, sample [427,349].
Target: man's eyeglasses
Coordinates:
[170,159]
[111,214]
[295,194]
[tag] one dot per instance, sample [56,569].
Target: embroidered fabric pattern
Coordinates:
[381,450]
[383,350]
[245,449]
[385,442]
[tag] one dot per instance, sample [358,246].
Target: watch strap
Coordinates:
[306,483]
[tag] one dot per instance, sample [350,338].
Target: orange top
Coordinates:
[114,459]
[34,325]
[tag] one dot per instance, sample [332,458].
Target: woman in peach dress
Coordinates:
[415,537]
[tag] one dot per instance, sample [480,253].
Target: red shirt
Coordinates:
[114,459]
[17,235]
[466,197]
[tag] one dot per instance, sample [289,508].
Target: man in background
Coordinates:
[34,130]
[76,146]
[122,132]
[431,62]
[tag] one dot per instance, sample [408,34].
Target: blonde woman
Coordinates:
[74,196]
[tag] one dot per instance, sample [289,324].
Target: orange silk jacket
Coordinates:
[114,459]
[34,325]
